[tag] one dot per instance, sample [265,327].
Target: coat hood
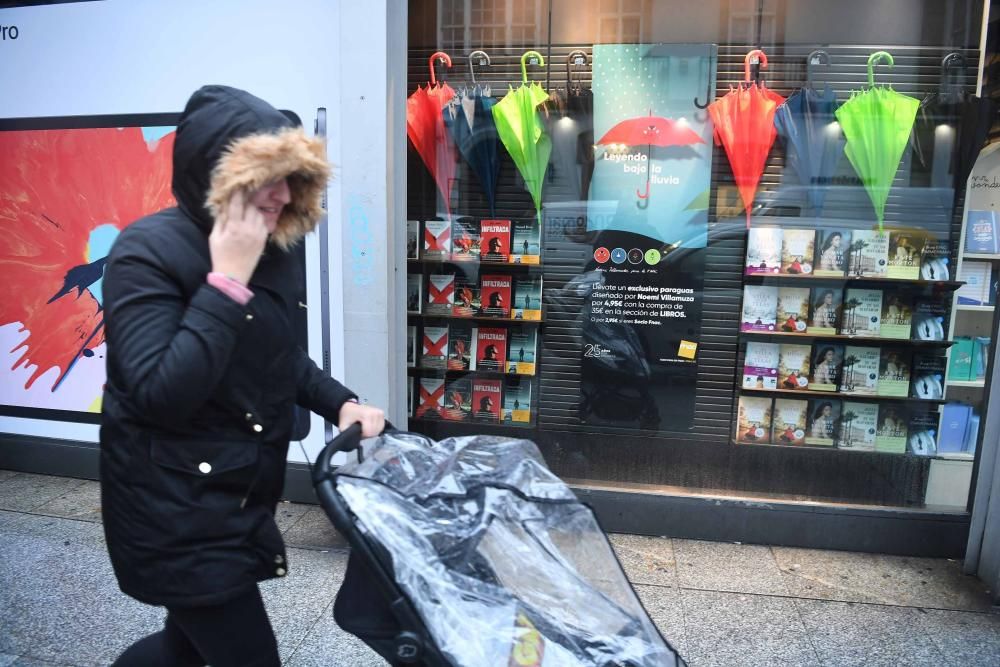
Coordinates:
[228,140]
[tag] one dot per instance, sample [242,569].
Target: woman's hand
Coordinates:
[372,420]
[237,239]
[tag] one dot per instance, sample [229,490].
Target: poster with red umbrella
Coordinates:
[744,126]
[425,127]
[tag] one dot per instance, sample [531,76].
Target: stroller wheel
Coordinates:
[408,648]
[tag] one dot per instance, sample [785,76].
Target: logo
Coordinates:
[618,255]
[635,256]
[653,257]
[602,255]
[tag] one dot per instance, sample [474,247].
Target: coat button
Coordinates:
[280,572]
[205,467]
[279,559]
[257,428]
[249,317]
[249,416]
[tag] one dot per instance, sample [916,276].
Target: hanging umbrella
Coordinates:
[580,108]
[744,126]
[813,140]
[877,124]
[521,131]
[470,122]
[426,130]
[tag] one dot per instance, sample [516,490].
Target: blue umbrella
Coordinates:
[813,139]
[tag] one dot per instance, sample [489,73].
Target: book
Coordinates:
[823,422]
[824,317]
[440,293]
[753,422]
[414,293]
[891,431]
[893,372]
[960,359]
[464,239]
[972,434]
[486,399]
[760,366]
[897,315]
[437,239]
[921,436]
[977,277]
[495,240]
[760,308]
[466,301]
[434,352]
[797,248]
[523,341]
[936,263]
[868,254]
[413,239]
[516,400]
[411,346]
[525,244]
[793,366]
[527,303]
[494,296]
[858,426]
[927,375]
[980,357]
[430,399]
[906,251]
[792,314]
[460,344]
[862,312]
[860,374]
[827,367]
[954,424]
[763,250]
[411,407]
[981,233]
[831,252]
[490,349]
[457,400]
[930,316]
[789,421]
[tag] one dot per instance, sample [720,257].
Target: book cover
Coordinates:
[927,375]
[411,407]
[460,347]
[793,309]
[466,295]
[516,400]
[760,366]
[860,374]
[868,255]
[465,240]
[930,317]
[893,423]
[980,357]
[894,372]
[763,250]
[527,298]
[435,348]
[972,434]
[440,293]
[457,400]
[897,315]
[827,367]
[525,245]
[858,426]
[862,312]
[494,296]
[960,354]
[411,346]
[412,239]
[954,424]
[486,395]
[753,422]
[414,293]
[760,308]
[495,240]
[977,277]
[921,436]
[797,248]
[823,422]
[906,251]
[490,352]
[523,341]
[936,264]
[981,233]
[824,317]
[430,399]
[437,239]
[793,366]
[789,421]
[831,252]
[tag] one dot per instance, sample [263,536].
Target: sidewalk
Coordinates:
[717,603]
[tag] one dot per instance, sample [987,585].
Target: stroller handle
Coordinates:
[347,440]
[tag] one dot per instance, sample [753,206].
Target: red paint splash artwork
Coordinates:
[56,188]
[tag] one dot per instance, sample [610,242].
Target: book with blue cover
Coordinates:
[981,233]
[954,423]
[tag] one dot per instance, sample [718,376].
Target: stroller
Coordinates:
[470,552]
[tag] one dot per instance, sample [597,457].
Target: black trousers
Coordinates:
[233,634]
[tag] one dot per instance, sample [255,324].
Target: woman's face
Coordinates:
[827,410]
[828,299]
[835,241]
[270,200]
[828,356]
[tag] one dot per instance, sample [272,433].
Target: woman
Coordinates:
[831,258]
[822,426]
[825,370]
[204,373]
[824,312]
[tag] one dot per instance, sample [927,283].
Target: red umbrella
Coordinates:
[744,126]
[426,129]
[650,131]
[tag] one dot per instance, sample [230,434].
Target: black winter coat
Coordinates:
[201,391]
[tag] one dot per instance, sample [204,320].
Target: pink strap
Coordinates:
[230,287]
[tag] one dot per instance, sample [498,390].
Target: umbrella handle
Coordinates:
[472,70]
[873,60]
[819,56]
[524,63]
[443,57]
[569,61]
[746,63]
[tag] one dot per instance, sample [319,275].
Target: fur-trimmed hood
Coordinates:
[228,140]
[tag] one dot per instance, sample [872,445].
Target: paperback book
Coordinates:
[793,366]
[523,342]
[928,375]
[858,426]
[831,252]
[906,251]
[981,233]
[930,316]
[921,438]
[893,423]
[527,298]
[412,239]
[763,250]
[936,264]
[827,367]
[977,277]
[490,352]
[760,366]
[893,372]
[961,357]
[495,296]
[457,400]
[465,240]
[411,346]
[897,315]
[516,400]
[411,406]
[862,312]
[495,240]
[414,293]
[435,348]
[526,242]
[860,375]
[486,397]
[868,255]
[789,421]
[823,422]
[466,295]
[793,309]
[437,239]
[753,423]
[797,249]
[760,308]
[430,400]
[460,347]
[440,293]
[827,304]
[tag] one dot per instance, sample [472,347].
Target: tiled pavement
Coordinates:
[717,603]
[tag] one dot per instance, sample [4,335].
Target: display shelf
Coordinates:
[473,262]
[443,372]
[846,337]
[841,395]
[975,309]
[470,422]
[975,255]
[757,278]
[477,318]
[967,383]
[956,456]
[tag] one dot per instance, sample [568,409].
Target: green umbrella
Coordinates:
[522,133]
[877,124]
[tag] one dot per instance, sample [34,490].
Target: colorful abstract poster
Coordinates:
[653,152]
